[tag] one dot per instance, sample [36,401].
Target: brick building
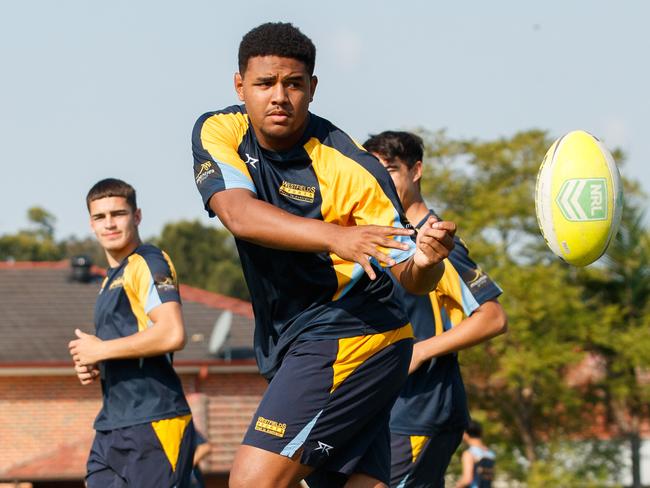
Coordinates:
[46,415]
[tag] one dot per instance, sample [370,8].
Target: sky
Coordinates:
[92,89]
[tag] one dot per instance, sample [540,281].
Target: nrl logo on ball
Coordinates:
[583,199]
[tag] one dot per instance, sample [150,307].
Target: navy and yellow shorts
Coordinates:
[419,461]
[329,403]
[152,455]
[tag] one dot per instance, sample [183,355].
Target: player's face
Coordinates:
[277,92]
[406,179]
[115,224]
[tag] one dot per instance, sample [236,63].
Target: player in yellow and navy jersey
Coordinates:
[430,415]
[316,220]
[144,430]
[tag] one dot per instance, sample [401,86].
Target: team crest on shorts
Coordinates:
[270,427]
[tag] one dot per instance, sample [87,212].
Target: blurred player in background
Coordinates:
[310,211]
[430,415]
[144,431]
[478,460]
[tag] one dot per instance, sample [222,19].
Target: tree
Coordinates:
[43,220]
[35,244]
[622,335]
[517,382]
[205,257]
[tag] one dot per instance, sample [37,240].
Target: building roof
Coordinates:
[41,305]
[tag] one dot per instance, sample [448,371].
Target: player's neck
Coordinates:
[416,211]
[116,256]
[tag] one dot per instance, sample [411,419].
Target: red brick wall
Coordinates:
[38,415]
[233,399]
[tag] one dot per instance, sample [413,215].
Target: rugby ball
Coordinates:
[578,198]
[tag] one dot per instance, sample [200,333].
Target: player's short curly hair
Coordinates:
[277,39]
[112,187]
[406,146]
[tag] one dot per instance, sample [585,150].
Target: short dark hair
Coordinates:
[390,144]
[474,429]
[112,187]
[277,39]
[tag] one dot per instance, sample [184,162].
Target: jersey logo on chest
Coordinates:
[298,192]
[116,283]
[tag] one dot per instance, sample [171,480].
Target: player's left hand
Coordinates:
[86,348]
[434,242]
[87,374]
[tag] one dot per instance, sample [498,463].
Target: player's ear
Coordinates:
[416,170]
[312,87]
[137,216]
[239,85]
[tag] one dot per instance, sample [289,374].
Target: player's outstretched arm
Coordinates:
[254,220]
[421,273]
[167,334]
[487,321]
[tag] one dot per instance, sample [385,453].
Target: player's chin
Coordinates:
[280,130]
[114,245]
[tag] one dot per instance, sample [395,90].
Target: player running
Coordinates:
[144,431]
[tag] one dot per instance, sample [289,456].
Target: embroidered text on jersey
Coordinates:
[298,192]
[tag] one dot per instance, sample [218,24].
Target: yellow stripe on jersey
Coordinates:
[221,135]
[140,288]
[171,267]
[345,271]
[353,351]
[170,434]
[447,295]
[351,195]
[417,444]
[137,281]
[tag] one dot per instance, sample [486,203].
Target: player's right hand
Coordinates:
[87,373]
[360,243]
[434,243]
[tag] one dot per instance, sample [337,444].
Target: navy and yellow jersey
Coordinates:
[433,397]
[142,390]
[328,177]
